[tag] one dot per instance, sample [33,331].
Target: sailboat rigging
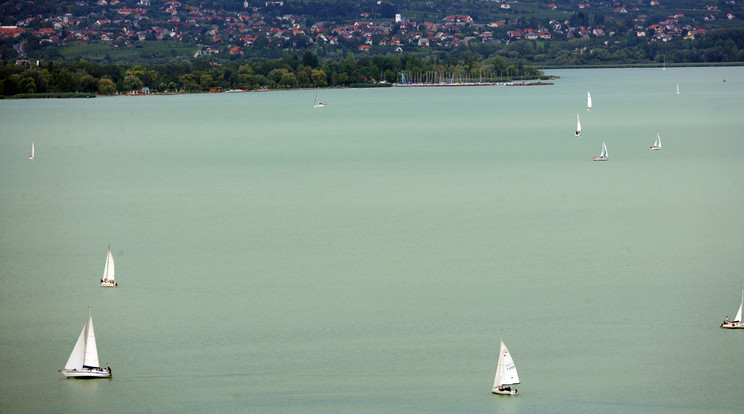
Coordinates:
[657,143]
[602,155]
[506,373]
[109,273]
[317,103]
[736,323]
[83,362]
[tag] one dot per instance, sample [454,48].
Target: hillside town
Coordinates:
[264,25]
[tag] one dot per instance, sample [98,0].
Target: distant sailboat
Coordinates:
[602,155]
[506,373]
[317,103]
[657,143]
[31,157]
[588,101]
[109,273]
[578,126]
[736,323]
[663,67]
[83,361]
[678,89]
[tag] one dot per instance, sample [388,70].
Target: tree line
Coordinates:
[290,71]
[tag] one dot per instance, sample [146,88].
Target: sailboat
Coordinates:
[31,157]
[588,101]
[109,277]
[736,323]
[663,67]
[678,89]
[506,373]
[317,103]
[602,155]
[578,126]
[83,362]
[657,143]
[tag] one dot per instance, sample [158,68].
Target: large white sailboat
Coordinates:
[83,362]
[588,101]
[657,143]
[506,373]
[578,126]
[736,323]
[602,155]
[31,157]
[109,272]
[317,103]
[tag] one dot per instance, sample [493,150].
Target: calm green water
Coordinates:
[365,257]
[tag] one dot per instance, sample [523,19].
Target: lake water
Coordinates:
[366,257]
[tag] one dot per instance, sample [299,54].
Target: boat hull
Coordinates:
[577,133]
[732,325]
[599,159]
[86,373]
[499,391]
[109,284]
[322,105]
[654,148]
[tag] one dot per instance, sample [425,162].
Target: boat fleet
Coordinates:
[84,363]
[603,155]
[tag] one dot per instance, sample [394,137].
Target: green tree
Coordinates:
[106,86]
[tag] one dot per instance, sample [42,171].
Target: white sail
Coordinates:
[109,273]
[91,350]
[31,157]
[678,89]
[657,143]
[737,318]
[78,353]
[578,126]
[604,153]
[588,101]
[506,371]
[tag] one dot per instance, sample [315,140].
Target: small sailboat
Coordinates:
[602,155]
[506,373]
[663,67]
[317,103]
[109,273]
[736,323]
[31,157]
[83,362]
[657,143]
[678,89]
[588,101]
[578,126]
